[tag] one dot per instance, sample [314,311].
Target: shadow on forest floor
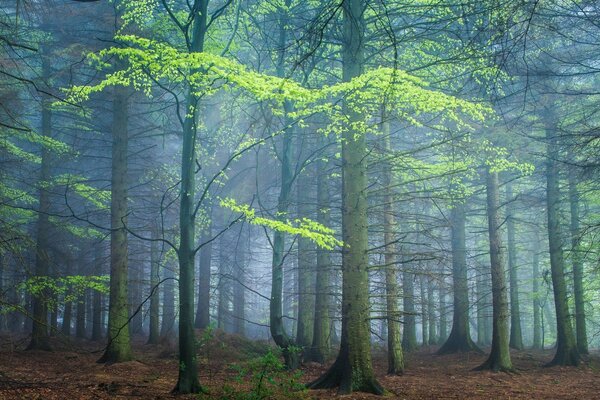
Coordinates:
[70,372]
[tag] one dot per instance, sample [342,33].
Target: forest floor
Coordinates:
[235,368]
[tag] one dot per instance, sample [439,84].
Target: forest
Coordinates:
[286,199]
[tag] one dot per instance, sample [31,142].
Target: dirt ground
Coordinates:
[70,372]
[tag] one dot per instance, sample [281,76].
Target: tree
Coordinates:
[118,348]
[516,338]
[499,358]
[352,369]
[566,346]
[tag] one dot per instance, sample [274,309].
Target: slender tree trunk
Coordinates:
[353,369]
[322,329]
[566,346]
[278,332]
[224,285]
[516,337]
[537,308]
[167,327]
[499,358]
[424,310]
[431,308]
[205,258]
[306,272]
[187,381]
[68,310]
[409,339]
[39,332]
[576,257]
[119,347]
[460,335]
[239,291]
[394,341]
[81,303]
[443,336]
[154,333]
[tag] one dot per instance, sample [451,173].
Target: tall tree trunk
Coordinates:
[460,335]
[187,381]
[499,358]
[154,333]
[278,332]
[394,350]
[81,303]
[516,337]
[224,284]
[537,308]
[205,258]
[576,257]
[306,271]
[239,291]
[566,346]
[68,310]
[431,308]
[322,328]
[424,310]
[167,327]
[119,347]
[443,336]
[409,339]
[39,331]
[353,369]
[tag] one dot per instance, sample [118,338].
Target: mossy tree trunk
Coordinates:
[537,307]
[499,358]
[516,337]
[154,333]
[118,348]
[306,263]
[566,345]
[576,259]
[460,335]
[39,331]
[353,370]
[394,345]
[204,273]
[409,338]
[322,327]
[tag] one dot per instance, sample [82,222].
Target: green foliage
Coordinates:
[314,231]
[71,288]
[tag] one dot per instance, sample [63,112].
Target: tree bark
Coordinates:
[204,274]
[537,307]
[566,346]
[353,369]
[460,335]
[576,258]
[154,334]
[516,337]
[499,358]
[119,347]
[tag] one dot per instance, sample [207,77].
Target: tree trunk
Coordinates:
[119,347]
[278,332]
[460,335]
[499,358]
[424,310]
[576,257]
[321,331]
[353,369]
[516,337]
[39,331]
[204,270]
[566,346]
[81,303]
[167,328]
[154,334]
[187,381]
[443,336]
[537,308]
[68,310]
[306,272]
[239,291]
[409,339]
